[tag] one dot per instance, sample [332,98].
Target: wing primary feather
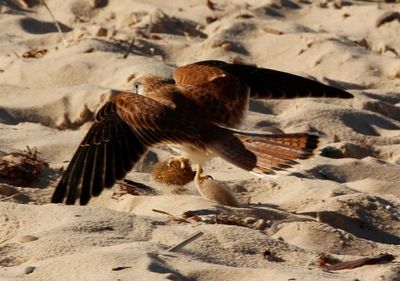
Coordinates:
[135,148]
[127,158]
[99,170]
[75,175]
[281,88]
[267,83]
[119,161]
[109,179]
[87,174]
[125,147]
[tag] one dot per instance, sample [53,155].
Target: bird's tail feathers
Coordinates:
[266,153]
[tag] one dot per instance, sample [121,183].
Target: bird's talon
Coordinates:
[206,177]
[181,159]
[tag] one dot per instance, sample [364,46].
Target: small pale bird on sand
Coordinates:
[195,113]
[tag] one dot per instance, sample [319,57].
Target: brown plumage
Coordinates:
[192,113]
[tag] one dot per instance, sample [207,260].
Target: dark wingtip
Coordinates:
[311,145]
[345,95]
[59,192]
[84,200]
[56,198]
[331,92]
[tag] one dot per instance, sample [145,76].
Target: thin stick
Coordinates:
[162,212]
[9,197]
[130,47]
[15,53]
[172,217]
[182,244]
[150,24]
[2,241]
[56,23]
[134,38]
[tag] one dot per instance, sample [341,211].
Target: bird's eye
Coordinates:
[136,86]
[138,89]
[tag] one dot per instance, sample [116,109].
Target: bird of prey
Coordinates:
[197,113]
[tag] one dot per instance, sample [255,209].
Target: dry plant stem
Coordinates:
[134,38]
[186,241]
[385,258]
[162,212]
[8,197]
[172,217]
[15,53]
[130,47]
[56,23]
[2,241]
[150,24]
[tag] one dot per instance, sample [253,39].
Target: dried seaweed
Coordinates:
[385,258]
[272,256]
[329,262]
[21,168]
[136,188]
[35,53]
[387,17]
[249,222]
[211,5]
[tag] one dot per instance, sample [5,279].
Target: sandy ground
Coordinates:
[343,203]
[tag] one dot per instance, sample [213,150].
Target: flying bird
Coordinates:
[196,113]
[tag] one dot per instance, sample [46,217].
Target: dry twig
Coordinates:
[130,47]
[56,23]
[385,258]
[172,217]
[186,241]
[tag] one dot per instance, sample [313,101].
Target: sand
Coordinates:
[344,202]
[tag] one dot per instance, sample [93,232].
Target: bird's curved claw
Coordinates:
[181,159]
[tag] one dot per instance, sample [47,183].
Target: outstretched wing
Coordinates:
[263,83]
[127,125]
[120,135]
[108,151]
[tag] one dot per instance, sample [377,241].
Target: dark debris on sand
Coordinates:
[21,168]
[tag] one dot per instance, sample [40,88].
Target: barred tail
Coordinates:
[265,153]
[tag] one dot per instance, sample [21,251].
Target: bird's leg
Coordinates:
[197,178]
[198,175]
[181,159]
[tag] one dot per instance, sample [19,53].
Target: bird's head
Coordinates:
[149,83]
